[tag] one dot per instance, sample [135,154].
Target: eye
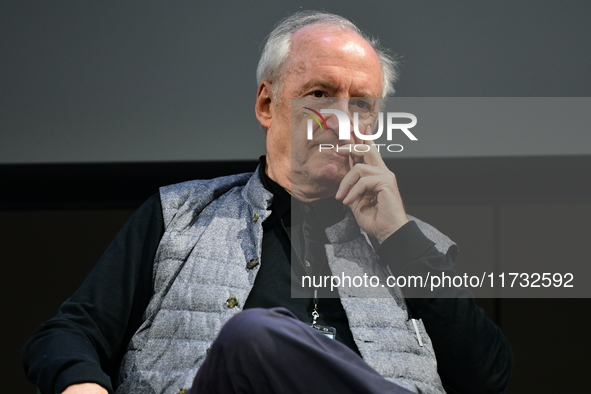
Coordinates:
[318,93]
[362,105]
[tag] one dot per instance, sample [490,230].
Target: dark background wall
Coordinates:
[102,102]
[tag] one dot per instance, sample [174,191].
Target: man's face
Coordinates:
[326,61]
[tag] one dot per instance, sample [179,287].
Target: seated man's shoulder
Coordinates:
[200,191]
[198,186]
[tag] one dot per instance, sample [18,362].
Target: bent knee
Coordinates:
[254,327]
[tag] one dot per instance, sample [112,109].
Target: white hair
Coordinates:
[275,56]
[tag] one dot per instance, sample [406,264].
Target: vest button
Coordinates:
[252,263]
[182,391]
[306,208]
[231,302]
[255,217]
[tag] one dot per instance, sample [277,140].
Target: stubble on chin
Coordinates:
[316,181]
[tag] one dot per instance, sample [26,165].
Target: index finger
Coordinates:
[373,156]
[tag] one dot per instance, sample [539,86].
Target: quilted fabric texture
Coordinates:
[203,275]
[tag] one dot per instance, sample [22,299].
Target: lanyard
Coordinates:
[315,314]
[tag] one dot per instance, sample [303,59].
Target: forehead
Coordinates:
[335,57]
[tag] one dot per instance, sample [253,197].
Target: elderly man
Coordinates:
[195,291]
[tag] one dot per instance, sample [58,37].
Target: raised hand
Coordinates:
[371,190]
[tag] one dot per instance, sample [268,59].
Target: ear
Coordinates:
[262,107]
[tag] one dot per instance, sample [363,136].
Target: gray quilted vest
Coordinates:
[213,229]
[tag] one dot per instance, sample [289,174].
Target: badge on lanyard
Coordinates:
[330,332]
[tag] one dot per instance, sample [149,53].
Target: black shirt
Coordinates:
[282,265]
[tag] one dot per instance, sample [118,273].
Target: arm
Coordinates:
[473,355]
[85,341]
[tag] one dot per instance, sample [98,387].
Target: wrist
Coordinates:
[381,237]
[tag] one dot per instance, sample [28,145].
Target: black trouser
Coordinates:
[271,351]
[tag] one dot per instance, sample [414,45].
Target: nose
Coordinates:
[332,120]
